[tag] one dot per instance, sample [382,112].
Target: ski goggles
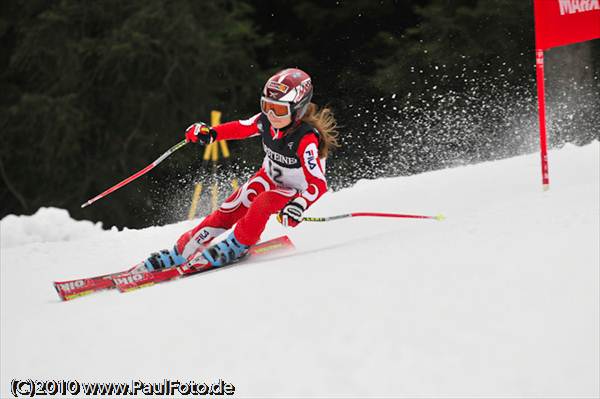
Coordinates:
[278,109]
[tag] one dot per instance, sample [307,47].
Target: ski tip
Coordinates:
[440,217]
[58,291]
[84,204]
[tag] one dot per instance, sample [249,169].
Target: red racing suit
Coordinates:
[291,169]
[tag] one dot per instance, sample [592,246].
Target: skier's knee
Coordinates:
[192,241]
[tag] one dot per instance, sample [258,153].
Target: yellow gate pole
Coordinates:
[215,119]
[226,155]
[198,188]
[195,197]
[211,153]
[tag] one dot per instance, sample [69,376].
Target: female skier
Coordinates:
[296,138]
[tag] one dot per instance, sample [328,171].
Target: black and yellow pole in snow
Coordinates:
[211,153]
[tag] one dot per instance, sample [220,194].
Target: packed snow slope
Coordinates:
[501,299]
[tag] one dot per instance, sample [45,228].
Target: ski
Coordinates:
[72,289]
[128,280]
[198,264]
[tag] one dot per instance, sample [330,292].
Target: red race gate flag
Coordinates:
[561,22]
[558,23]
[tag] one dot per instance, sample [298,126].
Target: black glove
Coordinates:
[291,214]
[200,133]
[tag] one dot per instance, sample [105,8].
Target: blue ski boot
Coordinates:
[163,259]
[228,251]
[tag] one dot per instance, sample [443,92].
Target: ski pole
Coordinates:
[439,217]
[136,175]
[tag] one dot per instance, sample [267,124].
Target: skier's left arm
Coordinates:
[312,167]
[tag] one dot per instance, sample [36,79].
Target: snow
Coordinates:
[501,299]
[46,225]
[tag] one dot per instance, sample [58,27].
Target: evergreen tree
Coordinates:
[93,91]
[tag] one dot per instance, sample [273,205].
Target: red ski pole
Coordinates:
[439,217]
[136,175]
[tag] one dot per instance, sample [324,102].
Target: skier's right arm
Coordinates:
[235,130]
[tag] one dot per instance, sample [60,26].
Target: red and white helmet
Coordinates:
[289,89]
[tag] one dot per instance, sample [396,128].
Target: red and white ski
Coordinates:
[72,289]
[197,264]
[128,280]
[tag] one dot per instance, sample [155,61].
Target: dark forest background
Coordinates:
[93,91]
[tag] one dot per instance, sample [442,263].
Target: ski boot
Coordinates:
[163,259]
[228,251]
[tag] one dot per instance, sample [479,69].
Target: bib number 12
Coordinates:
[275,172]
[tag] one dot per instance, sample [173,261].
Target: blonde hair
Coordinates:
[324,121]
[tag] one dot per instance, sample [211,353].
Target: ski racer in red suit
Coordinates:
[296,137]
